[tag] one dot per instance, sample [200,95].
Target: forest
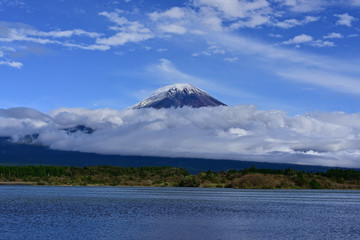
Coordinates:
[248,178]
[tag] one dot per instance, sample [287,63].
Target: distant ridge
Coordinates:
[177,96]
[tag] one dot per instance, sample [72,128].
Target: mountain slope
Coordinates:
[29,154]
[179,95]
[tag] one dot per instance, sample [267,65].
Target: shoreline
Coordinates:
[21,183]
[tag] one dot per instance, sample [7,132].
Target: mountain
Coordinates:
[79,128]
[179,95]
[21,154]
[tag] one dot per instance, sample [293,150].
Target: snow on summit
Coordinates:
[179,95]
[178,87]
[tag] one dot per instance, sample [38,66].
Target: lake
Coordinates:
[53,212]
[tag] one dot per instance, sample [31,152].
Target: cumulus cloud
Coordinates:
[306,39]
[334,35]
[238,133]
[126,31]
[344,19]
[250,14]
[175,20]
[303,38]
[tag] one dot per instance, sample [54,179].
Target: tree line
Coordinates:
[180,177]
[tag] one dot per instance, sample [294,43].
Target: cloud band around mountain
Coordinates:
[238,133]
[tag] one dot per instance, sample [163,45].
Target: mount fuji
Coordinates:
[177,96]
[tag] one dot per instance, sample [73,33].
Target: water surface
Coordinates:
[48,212]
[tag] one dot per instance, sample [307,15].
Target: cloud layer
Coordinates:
[239,133]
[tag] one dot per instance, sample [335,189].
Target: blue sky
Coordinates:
[294,55]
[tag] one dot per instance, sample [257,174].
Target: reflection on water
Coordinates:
[43,212]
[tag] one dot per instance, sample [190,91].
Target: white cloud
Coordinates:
[289,23]
[249,14]
[234,8]
[281,56]
[232,59]
[171,74]
[337,82]
[114,17]
[162,50]
[21,34]
[122,38]
[345,19]
[275,35]
[355,3]
[94,47]
[210,51]
[12,3]
[209,19]
[9,63]
[172,28]
[333,35]
[12,64]
[167,73]
[303,38]
[321,43]
[353,35]
[9,49]
[304,5]
[306,39]
[239,133]
[126,31]
[204,53]
[252,22]
[24,33]
[64,34]
[173,13]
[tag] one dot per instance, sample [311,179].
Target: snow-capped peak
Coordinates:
[178,87]
[179,95]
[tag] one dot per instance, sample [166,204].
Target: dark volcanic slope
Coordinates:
[179,95]
[29,154]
